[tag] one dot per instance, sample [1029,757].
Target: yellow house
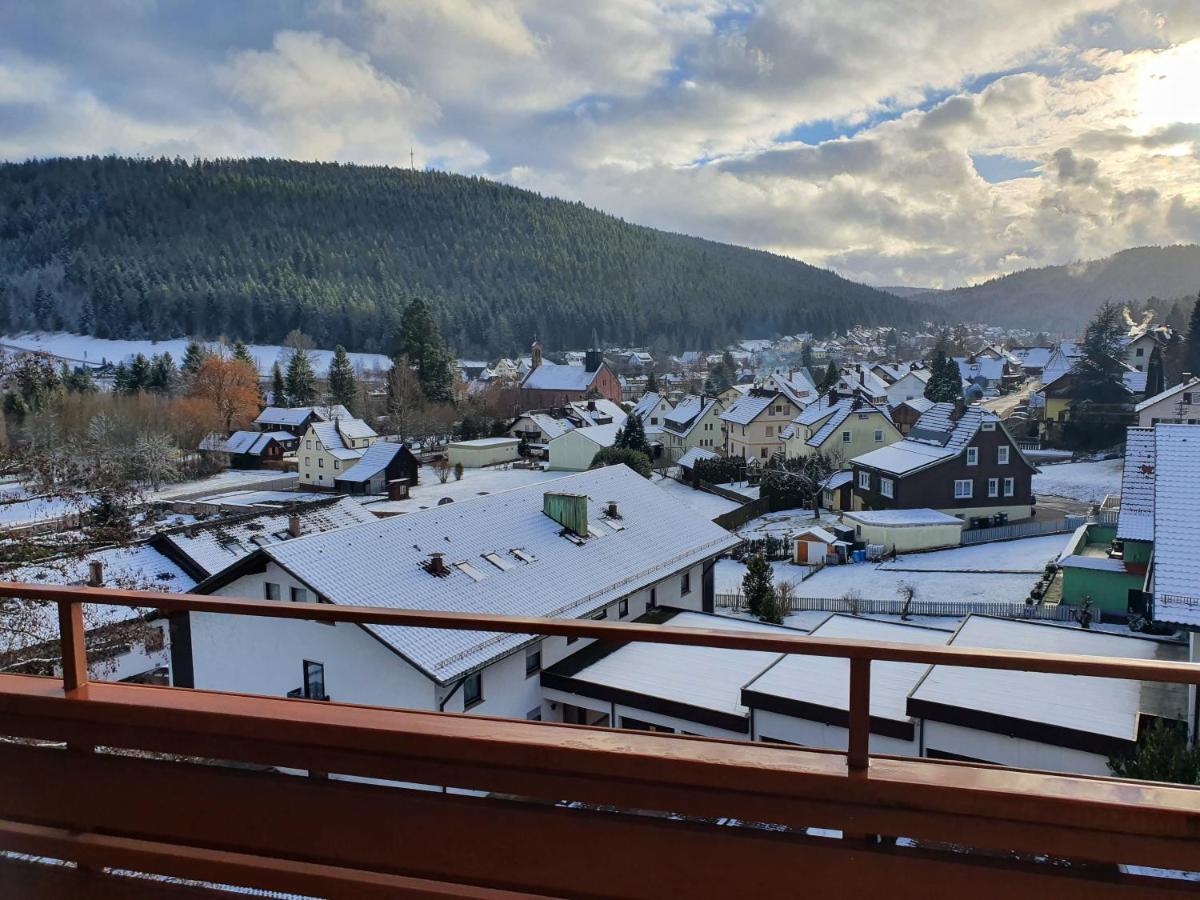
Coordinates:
[330,448]
[753,424]
[840,427]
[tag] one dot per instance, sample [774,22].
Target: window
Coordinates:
[320,462]
[685,585]
[846,436]
[337,463]
[1141,351]
[270,591]
[495,559]
[993,487]
[887,487]
[763,453]
[1009,487]
[770,431]
[533,660]
[298,595]
[308,445]
[989,426]
[1187,398]
[972,456]
[469,570]
[879,435]
[1002,455]
[653,601]
[603,614]
[864,480]
[473,690]
[964,489]
[314,680]
[308,460]
[623,608]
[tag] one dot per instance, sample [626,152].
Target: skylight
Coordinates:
[467,569]
[496,560]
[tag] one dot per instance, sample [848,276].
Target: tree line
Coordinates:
[257,248]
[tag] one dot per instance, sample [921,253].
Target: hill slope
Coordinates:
[254,248]
[1064,297]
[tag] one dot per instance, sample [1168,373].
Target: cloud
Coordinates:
[843,134]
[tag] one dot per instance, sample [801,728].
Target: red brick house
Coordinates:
[548,385]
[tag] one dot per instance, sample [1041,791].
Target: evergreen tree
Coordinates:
[633,436]
[193,355]
[831,378]
[757,586]
[301,381]
[278,391]
[1162,754]
[1156,379]
[937,369]
[343,386]
[1191,352]
[242,353]
[420,341]
[652,383]
[952,381]
[139,374]
[806,356]
[121,379]
[1099,369]
[163,377]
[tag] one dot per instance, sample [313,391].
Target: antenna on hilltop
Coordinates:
[412,163]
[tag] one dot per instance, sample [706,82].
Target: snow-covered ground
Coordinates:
[1086,481]
[82,348]
[959,574]
[708,505]
[38,510]
[784,522]
[229,480]
[1025,555]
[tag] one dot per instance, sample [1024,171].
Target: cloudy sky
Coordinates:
[930,142]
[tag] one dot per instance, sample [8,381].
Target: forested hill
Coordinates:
[254,248]
[1065,297]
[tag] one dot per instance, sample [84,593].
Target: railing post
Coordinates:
[74,652]
[858,751]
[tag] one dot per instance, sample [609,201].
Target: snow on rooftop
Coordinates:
[1135,521]
[380,563]
[825,681]
[488,442]
[694,455]
[1103,706]
[559,378]
[747,407]
[902,517]
[706,677]
[1176,540]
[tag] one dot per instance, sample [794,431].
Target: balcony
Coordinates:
[229,789]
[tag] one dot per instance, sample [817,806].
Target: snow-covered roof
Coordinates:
[841,411]
[549,425]
[837,479]
[1135,521]
[669,672]
[599,411]
[253,443]
[694,455]
[1176,539]
[920,404]
[748,407]
[1032,357]
[294,416]
[1108,707]
[1134,381]
[796,386]
[1190,384]
[981,366]
[824,681]
[377,458]
[559,378]
[332,436]
[817,532]
[214,546]
[138,567]
[935,437]
[647,404]
[902,517]
[689,412]
[380,563]
[601,435]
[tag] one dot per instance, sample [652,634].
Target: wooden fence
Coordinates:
[954,608]
[1064,525]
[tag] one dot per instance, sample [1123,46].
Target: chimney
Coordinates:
[535,354]
[436,565]
[568,510]
[592,360]
[591,405]
[611,510]
[960,407]
[95,573]
[294,524]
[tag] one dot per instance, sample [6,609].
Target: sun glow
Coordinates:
[1167,88]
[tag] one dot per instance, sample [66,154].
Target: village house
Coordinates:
[545,550]
[909,386]
[548,385]
[906,413]
[384,463]
[840,427]
[252,449]
[652,408]
[957,459]
[754,422]
[296,419]
[575,450]
[328,449]
[1178,405]
[694,422]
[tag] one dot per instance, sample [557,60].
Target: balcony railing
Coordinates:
[527,808]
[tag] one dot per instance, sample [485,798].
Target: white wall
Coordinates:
[1011,751]
[826,737]
[572,452]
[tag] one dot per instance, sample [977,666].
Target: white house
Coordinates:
[575,450]
[908,386]
[652,409]
[1179,405]
[329,448]
[509,553]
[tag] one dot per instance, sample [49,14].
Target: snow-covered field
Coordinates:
[1025,555]
[959,574]
[1086,481]
[82,348]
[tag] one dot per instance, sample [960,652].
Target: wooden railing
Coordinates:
[230,825]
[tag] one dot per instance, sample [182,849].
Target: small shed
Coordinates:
[687,462]
[575,450]
[484,452]
[383,464]
[902,530]
[812,546]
